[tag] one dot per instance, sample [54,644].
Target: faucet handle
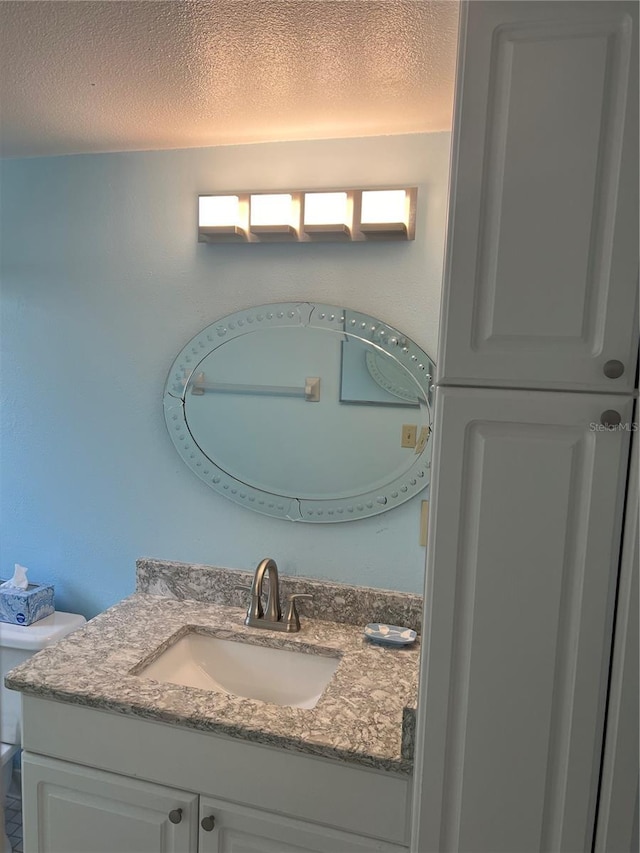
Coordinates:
[292,618]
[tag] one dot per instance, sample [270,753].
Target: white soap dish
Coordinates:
[389,635]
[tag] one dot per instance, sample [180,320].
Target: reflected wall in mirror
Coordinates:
[300,411]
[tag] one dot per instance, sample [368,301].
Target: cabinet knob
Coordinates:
[613,369]
[207,823]
[175,815]
[610,418]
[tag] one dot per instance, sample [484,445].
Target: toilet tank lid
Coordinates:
[40,634]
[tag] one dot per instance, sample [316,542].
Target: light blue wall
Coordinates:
[103,282]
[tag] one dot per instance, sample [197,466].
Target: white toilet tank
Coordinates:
[17,643]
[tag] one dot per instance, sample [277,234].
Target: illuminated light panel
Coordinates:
[384,207]
[217,211]
[325,209]
[272,209]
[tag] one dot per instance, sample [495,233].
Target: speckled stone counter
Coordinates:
[361,717]
[339,602]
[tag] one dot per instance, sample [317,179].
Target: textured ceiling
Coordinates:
[116,75]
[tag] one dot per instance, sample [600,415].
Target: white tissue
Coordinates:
[19,579]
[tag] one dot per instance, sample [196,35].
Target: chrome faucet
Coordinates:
[271,619]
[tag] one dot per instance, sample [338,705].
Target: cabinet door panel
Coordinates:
[527,498]
[73,809]
[238,829]
[542,256]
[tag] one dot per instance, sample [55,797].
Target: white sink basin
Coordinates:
[273,675]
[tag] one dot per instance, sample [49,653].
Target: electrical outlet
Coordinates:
[409,434]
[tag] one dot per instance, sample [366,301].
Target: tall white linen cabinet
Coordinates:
[534,418]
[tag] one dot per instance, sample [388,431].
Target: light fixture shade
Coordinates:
[217,210]
[325,209]
[384,211]
[221,217]
[272,213]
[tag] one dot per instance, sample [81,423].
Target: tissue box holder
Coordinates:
[24,606]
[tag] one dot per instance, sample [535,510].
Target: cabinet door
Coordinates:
[528,493]
[72,809]
[541,273]
[228,828]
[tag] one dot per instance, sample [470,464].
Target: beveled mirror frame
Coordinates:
[319,316]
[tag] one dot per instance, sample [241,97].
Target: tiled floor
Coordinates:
[13,822]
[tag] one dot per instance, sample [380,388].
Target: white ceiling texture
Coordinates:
[116,75]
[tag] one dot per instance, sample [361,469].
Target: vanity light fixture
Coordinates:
[308,216]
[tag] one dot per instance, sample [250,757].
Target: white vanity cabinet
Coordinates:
[69,808]
[103,782]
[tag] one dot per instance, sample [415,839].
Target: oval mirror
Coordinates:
[304,411]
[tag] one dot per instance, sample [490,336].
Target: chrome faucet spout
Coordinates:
[273,612]
[271,618]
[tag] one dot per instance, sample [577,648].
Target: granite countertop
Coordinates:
[365,716]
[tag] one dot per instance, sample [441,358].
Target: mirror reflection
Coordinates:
[303,411]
